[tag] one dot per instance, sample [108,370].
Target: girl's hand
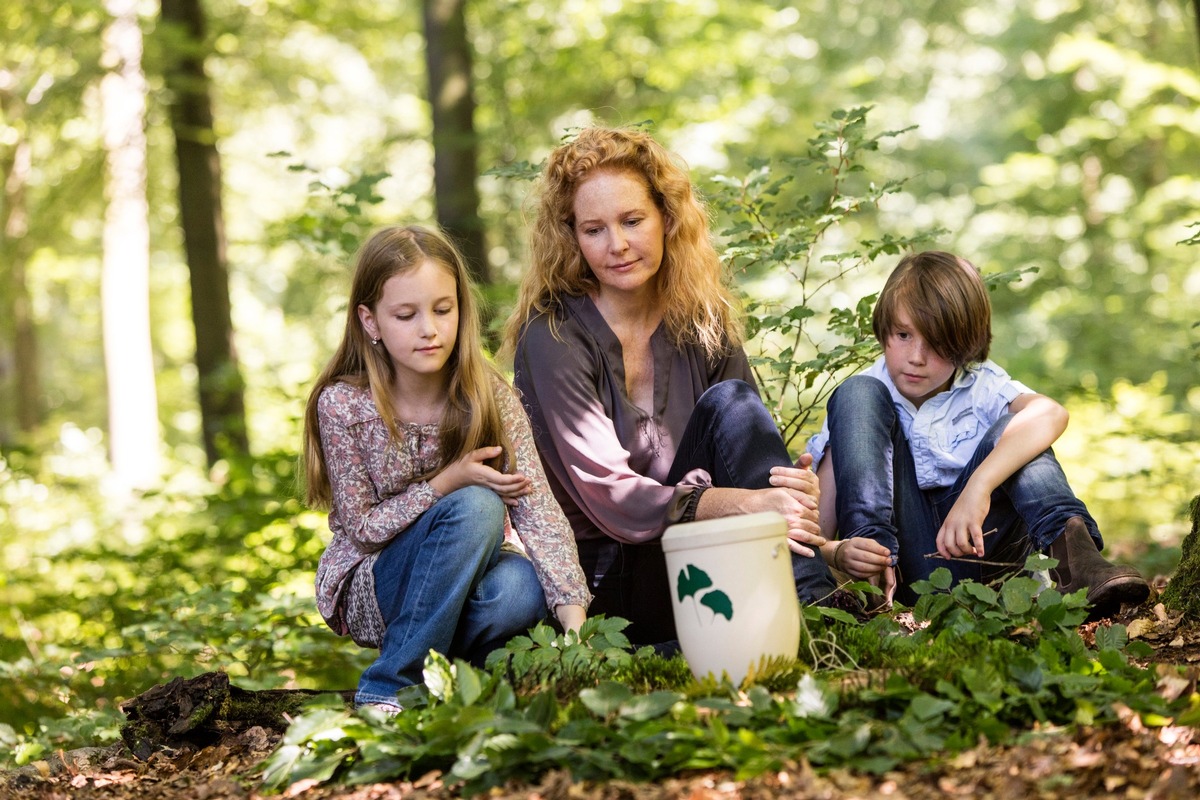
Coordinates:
[795,494]
[471,470]
[961,533]
[571,617]
[859,557]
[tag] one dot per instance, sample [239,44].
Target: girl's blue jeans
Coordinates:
[731,435]
[444,584]
[878,495]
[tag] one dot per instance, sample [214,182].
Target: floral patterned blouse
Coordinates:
[375,498]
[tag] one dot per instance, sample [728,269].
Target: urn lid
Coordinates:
[724,530]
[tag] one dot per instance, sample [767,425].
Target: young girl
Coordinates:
[935,457]
[422,454]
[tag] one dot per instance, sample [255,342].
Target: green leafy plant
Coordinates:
[983,666]
[785,218]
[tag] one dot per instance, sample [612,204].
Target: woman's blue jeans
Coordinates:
[878,495]
[731,435]
[444,584]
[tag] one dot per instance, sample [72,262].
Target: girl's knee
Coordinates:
[515,582]
[477,503]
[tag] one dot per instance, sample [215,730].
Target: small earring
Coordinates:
[375,340]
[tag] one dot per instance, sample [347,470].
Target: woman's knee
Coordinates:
[720,396]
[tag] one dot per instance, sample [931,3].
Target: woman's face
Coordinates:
[620,231]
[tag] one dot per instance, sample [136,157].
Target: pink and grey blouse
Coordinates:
[606,458]
[375,498]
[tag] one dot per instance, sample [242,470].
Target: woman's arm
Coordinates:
[559,385]
[794,494]
[1037,423]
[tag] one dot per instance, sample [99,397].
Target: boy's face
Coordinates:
[918,372]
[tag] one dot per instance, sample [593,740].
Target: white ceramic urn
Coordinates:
[732,592]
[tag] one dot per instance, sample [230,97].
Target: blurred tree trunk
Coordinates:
[125,280]
[21,371]
[452,100]
[222,390]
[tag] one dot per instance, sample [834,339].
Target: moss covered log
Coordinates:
[203,709]
[1183,592]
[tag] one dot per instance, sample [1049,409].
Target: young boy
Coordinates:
[935,457]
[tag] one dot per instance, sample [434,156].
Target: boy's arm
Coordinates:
[1037,423]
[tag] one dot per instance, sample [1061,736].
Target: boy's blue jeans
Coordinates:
[731,435]
[878,495]
[444,584]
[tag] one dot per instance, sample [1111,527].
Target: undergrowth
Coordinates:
[985,662]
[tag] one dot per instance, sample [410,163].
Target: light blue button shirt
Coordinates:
[944,432]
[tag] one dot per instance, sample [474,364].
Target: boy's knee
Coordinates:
[859,390]
[863,386]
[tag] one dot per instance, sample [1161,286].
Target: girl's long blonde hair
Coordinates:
[471,418]
[697,304]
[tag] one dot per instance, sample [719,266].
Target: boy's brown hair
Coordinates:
[946,300]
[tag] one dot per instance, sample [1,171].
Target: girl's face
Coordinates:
[918,372]
[417,319]
[620,231]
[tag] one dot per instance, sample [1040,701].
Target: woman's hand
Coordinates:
[472,470]
[795,494]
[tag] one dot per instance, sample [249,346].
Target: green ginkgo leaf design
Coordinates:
[719,602]
[691,580]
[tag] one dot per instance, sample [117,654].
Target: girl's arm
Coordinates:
[369,520]
[472,470]
[539,521]
[1037,423]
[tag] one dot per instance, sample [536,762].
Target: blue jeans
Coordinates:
[878,495]
[444,584]
[731,435]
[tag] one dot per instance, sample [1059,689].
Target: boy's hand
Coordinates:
[961,533]
[860,557]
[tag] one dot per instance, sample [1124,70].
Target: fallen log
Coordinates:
[203,709]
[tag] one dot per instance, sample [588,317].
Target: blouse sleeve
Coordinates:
[559,382]
[367,519]
[543,529]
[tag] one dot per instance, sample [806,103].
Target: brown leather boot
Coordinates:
[1080,566]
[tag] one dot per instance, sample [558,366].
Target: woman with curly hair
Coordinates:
[626,343]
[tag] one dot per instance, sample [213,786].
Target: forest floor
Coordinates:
[1128,760]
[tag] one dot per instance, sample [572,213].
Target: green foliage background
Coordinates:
[1056,144]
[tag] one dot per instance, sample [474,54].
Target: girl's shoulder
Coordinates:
[347,402]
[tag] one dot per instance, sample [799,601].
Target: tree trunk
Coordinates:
[1183,591]
[21,371]
[452,100]
[222,403]
[133,435]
